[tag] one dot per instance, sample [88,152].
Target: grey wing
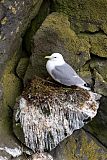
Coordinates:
[66,75]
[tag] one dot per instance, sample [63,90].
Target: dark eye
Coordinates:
[55,57]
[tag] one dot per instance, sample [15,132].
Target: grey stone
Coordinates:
[17,18]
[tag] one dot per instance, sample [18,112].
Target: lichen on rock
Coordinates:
[84,15]
[48,113]
[98,44]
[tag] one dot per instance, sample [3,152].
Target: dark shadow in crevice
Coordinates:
[93,57]
[97,140]
[100,31]
[44,11]
[52,6]
[92,78]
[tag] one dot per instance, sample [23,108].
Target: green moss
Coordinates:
[82,146]
[22,66]
[99,45]
[90,149]
[100,66]
[69,151]
[84,15]
[100,85]
[11,84]
[11,89]
[77,47]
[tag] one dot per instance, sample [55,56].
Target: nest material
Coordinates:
[48,113]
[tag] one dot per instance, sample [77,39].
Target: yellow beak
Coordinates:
[48,57]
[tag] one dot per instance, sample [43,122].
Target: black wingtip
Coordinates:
[87,85]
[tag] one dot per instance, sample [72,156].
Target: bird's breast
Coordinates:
[50,66]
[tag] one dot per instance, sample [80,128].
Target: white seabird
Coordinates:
[63,73]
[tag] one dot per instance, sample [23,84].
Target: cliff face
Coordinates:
[30,30]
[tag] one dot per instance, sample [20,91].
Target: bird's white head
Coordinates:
[56,57]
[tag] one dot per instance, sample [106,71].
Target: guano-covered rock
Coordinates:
[49,112]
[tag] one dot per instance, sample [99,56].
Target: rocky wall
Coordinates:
[76,29]
[15,18]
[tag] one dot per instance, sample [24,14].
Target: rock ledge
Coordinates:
[48,113]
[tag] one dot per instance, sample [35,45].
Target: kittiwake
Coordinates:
[63,73]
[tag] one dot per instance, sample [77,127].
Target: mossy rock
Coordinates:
[84,15]
[99,75]
[11,88]
[99,45]
[15,21]
[100,85]
[86,75]
[11,91]
[11,84]
[55,35]
[80,145]
[100,66]
[21,67]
